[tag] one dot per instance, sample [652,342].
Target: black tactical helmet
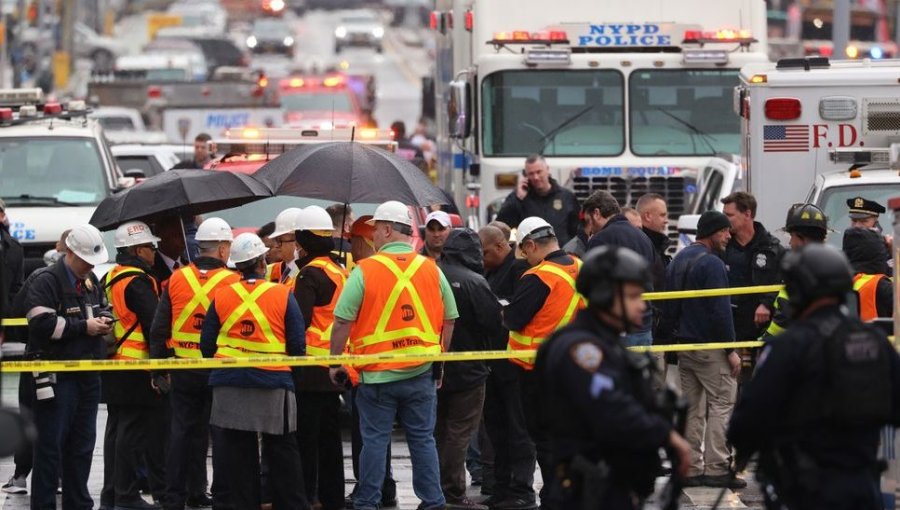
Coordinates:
[815,271]
[604,269]
[805,216]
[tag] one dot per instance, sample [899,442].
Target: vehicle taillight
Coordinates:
[470,20]
[433,20]
[154,92]
[783,108]
[6,114]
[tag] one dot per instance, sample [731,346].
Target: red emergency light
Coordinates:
[470,20]
[154,92]
[433,20]
[52,109]
[783,108]
[6,114]
[524,36]
[719,36]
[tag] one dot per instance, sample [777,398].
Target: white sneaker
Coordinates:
[15,485]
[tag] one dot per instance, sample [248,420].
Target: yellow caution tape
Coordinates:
[725,291]
[15,322]
[301,361]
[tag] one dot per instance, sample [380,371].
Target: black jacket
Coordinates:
[13,267]
[559,208]
[503,279]
[660,244]
[133,387]
[57,311]
[757,263]
[769,415]
[313,288]
[868,254]
[479,325]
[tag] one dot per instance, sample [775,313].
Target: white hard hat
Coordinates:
[134,233]
[87,243]
[315,218]
[534,228]
[392,211]
[214,229]
[287,222]
[246,247]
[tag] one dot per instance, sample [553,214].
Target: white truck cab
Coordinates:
[55,168]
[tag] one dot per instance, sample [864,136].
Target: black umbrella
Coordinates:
[181,192]
[349,173]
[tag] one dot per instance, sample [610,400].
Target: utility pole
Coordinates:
[840,24]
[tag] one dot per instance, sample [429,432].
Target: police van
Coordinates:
[55,168]
[814,131]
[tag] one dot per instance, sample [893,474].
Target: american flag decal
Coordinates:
[785,138]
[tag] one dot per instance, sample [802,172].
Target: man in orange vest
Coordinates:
[396,302]
[136,411]
[545,300]
[867,254]
[317,289]
[251,319]
[176,332]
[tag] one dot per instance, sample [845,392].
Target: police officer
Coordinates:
[64,307]
[820,394]
[284,240]
[864,214]
[867,254]
[247,319]
[176,332]
[806,224]
[606,429]
[136,415]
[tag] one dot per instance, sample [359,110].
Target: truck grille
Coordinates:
[628,191]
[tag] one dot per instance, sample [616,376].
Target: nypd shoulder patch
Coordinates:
[587,356]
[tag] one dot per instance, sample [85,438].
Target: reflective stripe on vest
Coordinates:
[388,333]
[866,285]
[135,346]
[253,321]
[318,334]
[774,328]
[275,274]
[558,310]
[188,312]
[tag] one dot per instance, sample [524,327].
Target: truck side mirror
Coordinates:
[459,108]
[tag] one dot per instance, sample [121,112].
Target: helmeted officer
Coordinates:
[806,224]
[606,428]
[820,394]
[284,240]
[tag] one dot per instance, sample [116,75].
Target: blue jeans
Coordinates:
[639,338]
[414,401]
[67,430]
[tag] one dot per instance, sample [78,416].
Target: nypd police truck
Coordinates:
[614,102]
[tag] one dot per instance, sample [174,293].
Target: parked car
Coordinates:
[146,160]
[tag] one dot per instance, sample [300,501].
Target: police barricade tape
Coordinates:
[648,296]
[301,361]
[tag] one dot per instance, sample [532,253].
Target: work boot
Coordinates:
[694,481]
[515,504]
[465,504]
[728,480]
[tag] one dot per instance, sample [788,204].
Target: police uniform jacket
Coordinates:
[58,306]
[757,263]
[596,406]
[559,208]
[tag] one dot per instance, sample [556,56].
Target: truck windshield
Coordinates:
[834,204]
[565,113]
[683,112]
[339,102]
[51,171]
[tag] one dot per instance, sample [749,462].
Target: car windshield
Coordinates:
[270,28]
[141,163]
[567,113]
[683,112]
[359,20]
[38,171]
[116,123]
[834,204]
[336,101]
[222,51]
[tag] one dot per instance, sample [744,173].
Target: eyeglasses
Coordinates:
[148,246]
[279,242]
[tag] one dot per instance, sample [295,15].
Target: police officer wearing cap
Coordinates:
[136,422]
[249,319]
[67,318]
[545,299]
[819,396]
[864,214]
[606,427]
[806,224]
[176,333]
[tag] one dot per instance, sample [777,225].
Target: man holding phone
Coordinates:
[204,151]
[538,194]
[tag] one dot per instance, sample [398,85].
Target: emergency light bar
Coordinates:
[546,37]
[19,106]
[857,156]
[318,135]
[16,97]
[742,37]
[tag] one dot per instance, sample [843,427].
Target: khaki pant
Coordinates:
[710,391]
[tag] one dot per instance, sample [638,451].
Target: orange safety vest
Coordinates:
[252,314]
[866,285]
[558,310]
[274,274]
[402,311]
[318,334]
[191,290]
[135,346]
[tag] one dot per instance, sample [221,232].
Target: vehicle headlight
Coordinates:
[378,32]
[288,41]
[251,41]
[277,5]
[340,32]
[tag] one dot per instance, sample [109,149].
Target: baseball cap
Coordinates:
[440,217]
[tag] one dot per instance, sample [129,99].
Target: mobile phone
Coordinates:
[112,320]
